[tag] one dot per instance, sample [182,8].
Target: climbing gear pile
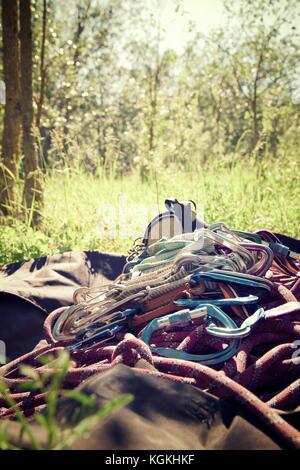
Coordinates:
[204,305]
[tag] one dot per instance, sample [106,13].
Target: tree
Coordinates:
[12,113]
[261,55]
[43,68]
[32,195]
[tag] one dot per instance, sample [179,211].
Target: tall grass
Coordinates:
[103,212]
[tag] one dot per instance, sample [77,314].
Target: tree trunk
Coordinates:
[255,128]
[154,86]
[32,196]
[42,69]
[12,113]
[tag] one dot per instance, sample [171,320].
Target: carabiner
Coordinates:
[237,333]
[98,338]
[191,303]
[229,277]
[188,315]
[97,332]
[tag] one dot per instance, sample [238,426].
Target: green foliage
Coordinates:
[115,98]
[54,434]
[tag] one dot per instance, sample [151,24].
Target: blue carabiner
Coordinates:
[188,315]
[237,333]
[191,303]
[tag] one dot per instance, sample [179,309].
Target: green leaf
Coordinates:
[81,397]
[29,372]
[41,419]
